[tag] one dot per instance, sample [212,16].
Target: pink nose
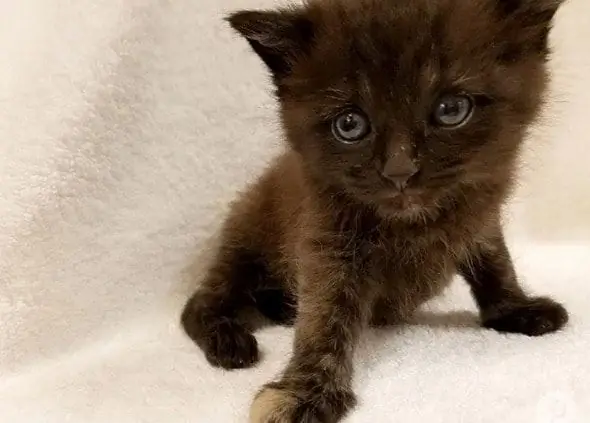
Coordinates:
[399,169]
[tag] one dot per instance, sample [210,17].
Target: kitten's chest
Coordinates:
[397,263]
[402,277]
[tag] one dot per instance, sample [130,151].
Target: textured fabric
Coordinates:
[125,129]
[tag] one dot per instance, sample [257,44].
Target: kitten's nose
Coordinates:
[399,169]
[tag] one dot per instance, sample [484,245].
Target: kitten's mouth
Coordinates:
[402,199]
[401,202]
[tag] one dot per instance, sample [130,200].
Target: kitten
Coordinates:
[403,121]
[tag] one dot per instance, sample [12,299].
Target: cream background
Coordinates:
[125,127]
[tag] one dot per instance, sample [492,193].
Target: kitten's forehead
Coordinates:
[412,42]
[408,21]
[403,54]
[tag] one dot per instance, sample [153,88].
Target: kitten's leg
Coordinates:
[316,386]
[503,304]
[276,304]
[211,316]
[383,313]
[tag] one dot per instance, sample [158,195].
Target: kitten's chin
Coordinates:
[409,214]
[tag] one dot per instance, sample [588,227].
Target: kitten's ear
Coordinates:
[540,10]
[529,21]
[278,37]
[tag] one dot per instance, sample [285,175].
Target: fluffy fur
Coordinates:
[329,238]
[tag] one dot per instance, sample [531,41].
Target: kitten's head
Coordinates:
[402,104]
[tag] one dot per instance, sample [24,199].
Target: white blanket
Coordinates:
[125,128]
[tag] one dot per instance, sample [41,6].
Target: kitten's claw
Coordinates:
[533,317]
[284,402]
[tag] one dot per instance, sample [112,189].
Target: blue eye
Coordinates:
[351,126]
[451,111]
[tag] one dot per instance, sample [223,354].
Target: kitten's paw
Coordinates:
[284,402]
[533,317]
[231,346]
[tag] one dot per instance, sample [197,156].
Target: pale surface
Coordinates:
[125,128]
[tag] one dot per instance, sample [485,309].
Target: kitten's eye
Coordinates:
[450,111]
[351,126]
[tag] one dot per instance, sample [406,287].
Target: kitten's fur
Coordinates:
[323,239]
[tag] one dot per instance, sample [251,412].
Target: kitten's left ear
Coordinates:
[529,22]
[539,11]
[278,37]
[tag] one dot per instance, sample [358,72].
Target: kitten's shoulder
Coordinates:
[277,196]
[284,181]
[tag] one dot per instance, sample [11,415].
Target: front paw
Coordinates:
[531,316]
[225,342]
[288,402]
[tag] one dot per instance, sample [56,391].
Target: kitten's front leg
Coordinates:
[316,386]
[503,304]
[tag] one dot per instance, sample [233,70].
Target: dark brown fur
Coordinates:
[323,239]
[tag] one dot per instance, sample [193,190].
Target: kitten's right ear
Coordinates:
[278,37]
